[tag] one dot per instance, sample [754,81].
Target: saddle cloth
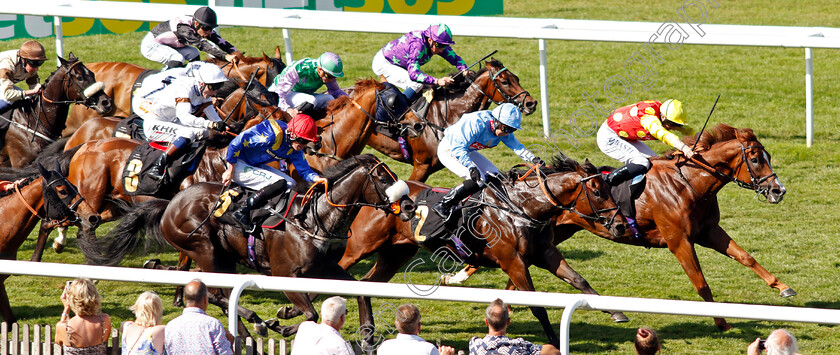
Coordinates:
[427,226]
[131,127]
[234,198]
[135,177]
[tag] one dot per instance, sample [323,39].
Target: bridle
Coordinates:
[755,182]
[74,84]
[507,98]
[598,214]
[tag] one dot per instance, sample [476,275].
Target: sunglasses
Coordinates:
[205,27]
[437,44]
[34,63]
[506,129]
[215,86]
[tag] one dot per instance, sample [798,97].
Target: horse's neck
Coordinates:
[352,124]
[452,107]
[13,208]
[529,198]
[723,157]
[334,216]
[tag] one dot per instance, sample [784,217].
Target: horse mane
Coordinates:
[52,154]
[257,90]
[558,164]
[362,86]
[719,133]
[26,181]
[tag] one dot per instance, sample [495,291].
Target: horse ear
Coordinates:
[277,53]
[44,172]
[62,61]
[72,57]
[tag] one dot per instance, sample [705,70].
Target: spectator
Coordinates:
[323,339]
[87,332]
[194,332]
[144,336]
[495,342]
[780,342]
[408,342]
[647,342]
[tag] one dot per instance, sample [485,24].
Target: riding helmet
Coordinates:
[439,33]
[205,16]
[32,50]
[508,114]
[210,74]
[302,126]
[331,63]
[672,110]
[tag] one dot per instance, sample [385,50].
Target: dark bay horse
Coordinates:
[493,83]
[679,208]
[302,250]
[119,81]
[266,67]
[31,130]
[501,236]
[36,196]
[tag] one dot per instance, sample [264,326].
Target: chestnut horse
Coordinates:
[48,198]
[31,130]
[510,236]
[302,250]
[119,81]
[679,206]
[493,83]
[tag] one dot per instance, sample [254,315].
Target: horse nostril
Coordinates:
[94,220]
[620,229]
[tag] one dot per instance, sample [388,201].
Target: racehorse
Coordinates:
[243,108]
[31,130]
[119,81]
[679,206]
[48,198]
[347,125]
[299,251]
[266,67]
[510,236]
[493,83]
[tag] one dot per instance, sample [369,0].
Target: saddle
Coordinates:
[626,193]
[135,177]
[139,82]
[431,231]
[131,127]
[234,197]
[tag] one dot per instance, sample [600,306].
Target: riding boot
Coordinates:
[446,205]
[257,200]
[624,173]
[173,64]
[173,151]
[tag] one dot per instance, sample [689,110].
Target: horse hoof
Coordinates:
[619,317]
[151,264]
[58,247]
[444,279]
[261,329]
[788,292]
[287,312]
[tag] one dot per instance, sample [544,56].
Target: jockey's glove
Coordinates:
[216,126]
[537,161]
[475,175]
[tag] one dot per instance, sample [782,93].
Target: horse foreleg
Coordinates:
[58,243]
[460,277]
[219,298]
[684,251]
[518,272]
[720,241]
[554,262]
[300,301]
[184,263]
[5,306]
[40,243]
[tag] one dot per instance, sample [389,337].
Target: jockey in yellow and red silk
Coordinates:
[621,136]
[399,61]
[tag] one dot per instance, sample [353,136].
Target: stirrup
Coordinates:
[157,173]
[444,214]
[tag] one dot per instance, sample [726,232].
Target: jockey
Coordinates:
[400,60]
[173,42]
[458,150]
[250,152]
[297,83]
[17,65]
[620,135]
[169,111]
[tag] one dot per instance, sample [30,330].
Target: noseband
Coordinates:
[754,183]
[604,221]
[507,98]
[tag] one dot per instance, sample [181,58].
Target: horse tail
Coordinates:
[122,239]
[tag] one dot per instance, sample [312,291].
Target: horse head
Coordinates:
[78,86]
[737,155]
[377,185]
[500,85]
[62,201]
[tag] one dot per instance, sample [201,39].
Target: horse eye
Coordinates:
[505,82]
[754,160]
[62,193]
[597,193]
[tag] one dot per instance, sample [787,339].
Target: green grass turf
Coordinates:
[762,88]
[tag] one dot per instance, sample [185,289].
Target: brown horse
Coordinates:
[679,206]
[493,83]
[31,130]
[119,81]
[302,250]
[49,199]
[266,67]
[347,125]
[510,236]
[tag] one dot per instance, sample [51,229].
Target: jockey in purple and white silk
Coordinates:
[399,61]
